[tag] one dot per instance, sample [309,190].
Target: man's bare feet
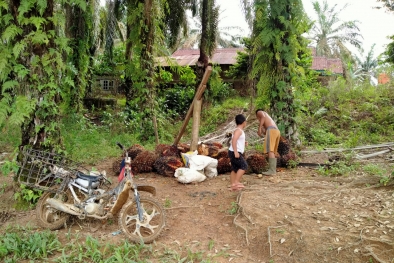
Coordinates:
[236,187]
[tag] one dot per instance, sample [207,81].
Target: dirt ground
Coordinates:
[295,216]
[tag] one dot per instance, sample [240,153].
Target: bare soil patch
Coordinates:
[295,216]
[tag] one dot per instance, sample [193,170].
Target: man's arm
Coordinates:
[261,129]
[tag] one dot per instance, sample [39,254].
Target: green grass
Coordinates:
[26,243]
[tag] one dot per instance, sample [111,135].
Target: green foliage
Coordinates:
[94,251]
[31,67]
[280,57]
[89,143]
[19,244]
[217,90]
[219,113]
[9,167]
[240,69]
[167,203]
[389,52]
[339,168]
[234,208]
[383,173]
[176,101]
[26,195]
[105,65]
[341,114]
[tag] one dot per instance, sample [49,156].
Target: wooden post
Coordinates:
[197,96]
[196,124]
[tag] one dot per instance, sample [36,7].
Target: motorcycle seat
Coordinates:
[91,178]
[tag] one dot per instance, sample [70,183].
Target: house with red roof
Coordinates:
[225,57]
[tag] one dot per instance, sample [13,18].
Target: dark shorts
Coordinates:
[237,163]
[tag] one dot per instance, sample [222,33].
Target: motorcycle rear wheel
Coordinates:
[149,228]
[49,217]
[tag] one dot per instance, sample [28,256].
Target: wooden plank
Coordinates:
[196,124]
[199,93]
[331,150]
[366,156]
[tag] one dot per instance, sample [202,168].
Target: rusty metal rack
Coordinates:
[45,170]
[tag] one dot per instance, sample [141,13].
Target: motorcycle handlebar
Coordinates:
[120,145]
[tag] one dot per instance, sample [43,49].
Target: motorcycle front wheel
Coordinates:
[49,217]
[147,229]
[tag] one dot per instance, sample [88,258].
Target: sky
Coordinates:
[375,25]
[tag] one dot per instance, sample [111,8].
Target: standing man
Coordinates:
[271,133]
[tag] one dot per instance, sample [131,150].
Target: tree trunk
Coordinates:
[147,61]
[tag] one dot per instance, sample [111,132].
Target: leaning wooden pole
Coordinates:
[196,124]
[197,96]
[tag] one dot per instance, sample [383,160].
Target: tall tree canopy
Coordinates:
[329,33]
[278,48]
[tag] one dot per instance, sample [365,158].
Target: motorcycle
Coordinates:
[71,190]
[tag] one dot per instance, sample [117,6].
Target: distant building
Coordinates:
[328,68]
[383,78]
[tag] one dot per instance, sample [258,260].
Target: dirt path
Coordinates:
[296,216]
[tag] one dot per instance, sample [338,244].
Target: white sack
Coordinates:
[186,157]
[187,175]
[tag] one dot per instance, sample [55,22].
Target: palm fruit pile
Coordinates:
[116,166]
[166,165]
[160,148]
[285,159]
[134,150]
[183,147]
[210,149]
[143,162]
[224,165]
[257,162]
[172,150]
[284,146]
[285,154]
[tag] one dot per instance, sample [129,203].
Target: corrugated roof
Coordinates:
[189,57]
[228,56]
[331,64]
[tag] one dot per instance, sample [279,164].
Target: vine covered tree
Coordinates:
[31,70]
[278,51]
[83,32]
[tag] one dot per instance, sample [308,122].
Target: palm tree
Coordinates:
[223,38]
[367,65]
[329,33]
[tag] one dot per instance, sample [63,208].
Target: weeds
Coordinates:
[27,196]
[167,203]
[211,244]
[23,243]
[234,208]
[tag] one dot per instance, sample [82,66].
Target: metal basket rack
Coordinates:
[46,171]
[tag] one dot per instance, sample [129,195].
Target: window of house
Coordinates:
[107,85]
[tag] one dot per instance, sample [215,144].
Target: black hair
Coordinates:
[239,119]
[258,110]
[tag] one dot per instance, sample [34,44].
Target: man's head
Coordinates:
[258,111]
[239,119]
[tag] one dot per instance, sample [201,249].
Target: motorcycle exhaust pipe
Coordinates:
[62,206]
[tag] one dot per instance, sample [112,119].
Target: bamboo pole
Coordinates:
[197,96]
[196,124]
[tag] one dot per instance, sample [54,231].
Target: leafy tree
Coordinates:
[388,4]
[223,38]
[367,65]
[32,69]
[329,33]
[389,53]
[83,31]
[278,49]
